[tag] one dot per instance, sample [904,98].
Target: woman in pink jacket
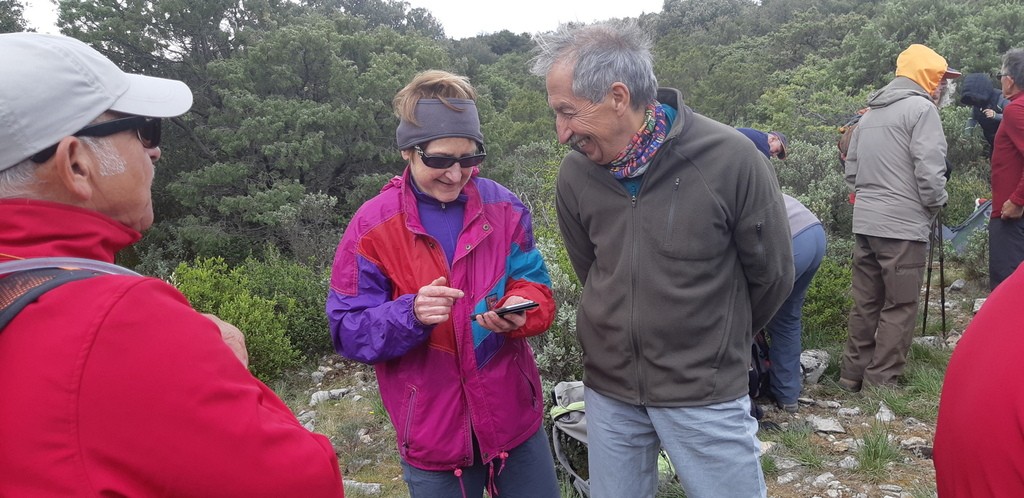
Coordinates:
[438,245]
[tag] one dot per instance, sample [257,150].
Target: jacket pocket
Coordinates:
[907,280]
[408,420]
[683,223]
[528,383]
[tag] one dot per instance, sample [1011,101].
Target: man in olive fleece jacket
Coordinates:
[676,226]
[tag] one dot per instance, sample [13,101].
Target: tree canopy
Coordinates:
[292,126]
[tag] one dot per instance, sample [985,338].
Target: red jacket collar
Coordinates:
[34,229]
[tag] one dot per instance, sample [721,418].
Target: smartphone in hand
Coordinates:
[512,308]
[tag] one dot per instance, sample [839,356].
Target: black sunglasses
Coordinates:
[445,162]
[148,130]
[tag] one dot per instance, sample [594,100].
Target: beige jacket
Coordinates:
[897,163]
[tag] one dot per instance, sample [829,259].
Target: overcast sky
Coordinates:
[464,18]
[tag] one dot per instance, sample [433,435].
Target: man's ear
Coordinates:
[621,98]
[74,168]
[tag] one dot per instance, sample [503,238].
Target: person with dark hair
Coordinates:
[896,166]
[785,330]
[987,104]
[771,144]
[1006,229]
[676,227]
[438,245]
[113,385]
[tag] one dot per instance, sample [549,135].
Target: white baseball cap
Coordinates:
[51,86]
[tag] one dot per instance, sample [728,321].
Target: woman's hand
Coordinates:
[503,324]
[433,302]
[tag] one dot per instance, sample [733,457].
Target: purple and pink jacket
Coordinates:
[443,384]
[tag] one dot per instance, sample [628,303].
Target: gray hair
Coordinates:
[111,163]
[1013,65]
[20,180]
[600,55]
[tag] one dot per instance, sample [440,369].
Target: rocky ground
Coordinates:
[838,421]
[833,426]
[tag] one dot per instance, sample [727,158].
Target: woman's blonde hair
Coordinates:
[431,84]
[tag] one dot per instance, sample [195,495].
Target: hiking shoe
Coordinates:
[788,407]
[850,386]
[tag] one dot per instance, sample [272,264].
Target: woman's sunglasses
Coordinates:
[445,162]
[148,130]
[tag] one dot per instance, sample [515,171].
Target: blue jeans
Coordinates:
[529,472]
[786,326]
[713,448]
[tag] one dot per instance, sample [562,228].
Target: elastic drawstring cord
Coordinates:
[492,487]
[462,485]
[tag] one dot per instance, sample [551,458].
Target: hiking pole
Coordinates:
[928,278]
[942,277]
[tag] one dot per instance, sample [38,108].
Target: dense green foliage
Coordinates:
[12,16]
[292,127]
[277,303]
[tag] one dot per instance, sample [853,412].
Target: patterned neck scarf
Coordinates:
[636,157]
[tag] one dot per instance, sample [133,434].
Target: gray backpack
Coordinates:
[569,435]
[569,427]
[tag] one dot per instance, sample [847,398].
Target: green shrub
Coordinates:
[212,288]
[963,188]
[299,293]
[973,259]
[270,351]
[827,306]
[814,176]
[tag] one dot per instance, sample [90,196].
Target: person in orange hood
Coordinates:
[896,166]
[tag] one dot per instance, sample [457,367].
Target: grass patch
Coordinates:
[798,440]
[877,453]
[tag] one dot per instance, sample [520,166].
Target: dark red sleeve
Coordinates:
[1013,123]
[539,319]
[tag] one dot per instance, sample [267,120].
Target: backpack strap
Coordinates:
[27,279]
[20,289]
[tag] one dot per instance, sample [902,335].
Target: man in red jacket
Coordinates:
[1006,230]
[113,385]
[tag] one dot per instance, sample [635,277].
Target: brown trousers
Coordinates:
[887,278]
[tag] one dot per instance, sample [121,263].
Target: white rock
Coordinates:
[848,412]
[821,424]
[884,414]
[913,442]
[813,363]
[823,480]
[361,487]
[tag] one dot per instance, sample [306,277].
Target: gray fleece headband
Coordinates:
[440,121]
